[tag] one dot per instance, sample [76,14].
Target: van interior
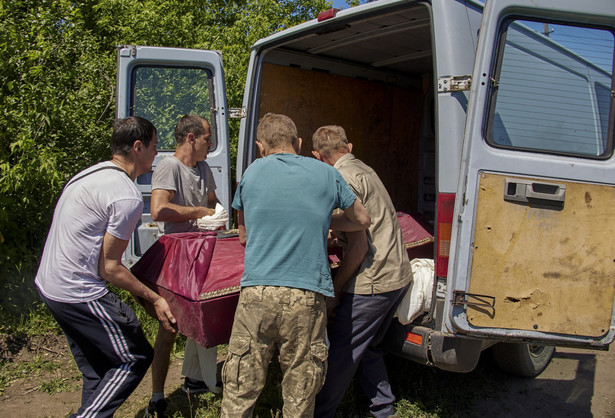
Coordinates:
[372,75]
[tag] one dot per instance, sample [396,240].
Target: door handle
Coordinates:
[532,193]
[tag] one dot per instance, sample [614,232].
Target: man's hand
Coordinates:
[164,315]
[241,225]
[332,304]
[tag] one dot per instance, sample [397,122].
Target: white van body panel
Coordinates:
[480,159]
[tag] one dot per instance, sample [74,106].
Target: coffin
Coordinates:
[198,274]
[418,235]
[418,238]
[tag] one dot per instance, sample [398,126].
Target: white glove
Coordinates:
[215,221]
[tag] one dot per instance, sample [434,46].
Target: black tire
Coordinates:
[527,360]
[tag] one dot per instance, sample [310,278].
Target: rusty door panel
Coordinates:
[549,268]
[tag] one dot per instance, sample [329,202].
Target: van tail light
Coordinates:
[446,207]
[327,14]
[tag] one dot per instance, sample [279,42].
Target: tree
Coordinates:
[57,92]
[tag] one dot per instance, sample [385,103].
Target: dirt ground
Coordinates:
[577,383]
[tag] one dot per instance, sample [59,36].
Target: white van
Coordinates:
[503,142]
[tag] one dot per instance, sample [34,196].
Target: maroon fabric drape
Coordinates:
[198,275]
[178,262]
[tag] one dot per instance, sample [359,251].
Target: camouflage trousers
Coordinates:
[269,318]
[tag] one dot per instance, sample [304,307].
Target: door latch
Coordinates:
[530,192]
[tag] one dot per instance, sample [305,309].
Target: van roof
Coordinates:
[391,35]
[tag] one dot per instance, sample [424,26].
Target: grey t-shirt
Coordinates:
[190,184]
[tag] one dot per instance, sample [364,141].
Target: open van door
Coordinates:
[162,85]
[533,243]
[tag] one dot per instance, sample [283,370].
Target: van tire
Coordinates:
[527,360]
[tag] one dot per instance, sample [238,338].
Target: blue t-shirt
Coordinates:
[287,201]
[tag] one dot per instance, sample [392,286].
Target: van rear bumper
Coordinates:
[454,354]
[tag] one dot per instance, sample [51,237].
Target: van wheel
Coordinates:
[527,360]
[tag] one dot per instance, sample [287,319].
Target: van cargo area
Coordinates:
[374,77]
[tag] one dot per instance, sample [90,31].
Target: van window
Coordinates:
[164,94]
[551,91]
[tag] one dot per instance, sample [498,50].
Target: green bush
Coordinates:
[57,93]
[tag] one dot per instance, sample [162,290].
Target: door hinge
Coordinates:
[454,83]
[237,112]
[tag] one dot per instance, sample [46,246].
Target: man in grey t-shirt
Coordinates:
[183,190]
[192,189]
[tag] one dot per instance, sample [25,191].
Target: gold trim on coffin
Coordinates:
[220,292]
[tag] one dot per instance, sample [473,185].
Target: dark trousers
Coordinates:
[354,335]
[109,348]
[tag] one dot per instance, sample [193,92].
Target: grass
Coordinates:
[421,391]
[60,384]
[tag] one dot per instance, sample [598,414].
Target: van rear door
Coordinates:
[533,241]
[162,85]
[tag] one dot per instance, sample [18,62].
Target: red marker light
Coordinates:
[327,14]
[413,338]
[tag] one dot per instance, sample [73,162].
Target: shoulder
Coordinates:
[112,186]
[203,165]
[257,164]
[314,163]
[350,166]
[167,163]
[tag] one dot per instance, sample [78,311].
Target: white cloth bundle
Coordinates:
[215,221]
[418,297]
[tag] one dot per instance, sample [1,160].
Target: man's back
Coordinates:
[386,266]
[288,200]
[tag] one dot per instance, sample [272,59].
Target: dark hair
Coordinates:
[188,124]
[129,130]
[276,131]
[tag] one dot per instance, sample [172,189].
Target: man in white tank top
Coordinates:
[93,220]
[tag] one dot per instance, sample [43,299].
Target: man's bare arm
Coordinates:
[111,269]
[355,218]
[353,257]
[163,210]
[212,199]
[242,228]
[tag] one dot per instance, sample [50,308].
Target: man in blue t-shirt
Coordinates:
[284,205]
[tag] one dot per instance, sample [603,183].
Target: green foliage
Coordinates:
[163,95]
[57,92]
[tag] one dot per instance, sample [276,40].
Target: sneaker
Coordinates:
[194,386]
[156,409]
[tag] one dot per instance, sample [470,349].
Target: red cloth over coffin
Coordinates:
[198,275]
[418,239]
[418,235]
